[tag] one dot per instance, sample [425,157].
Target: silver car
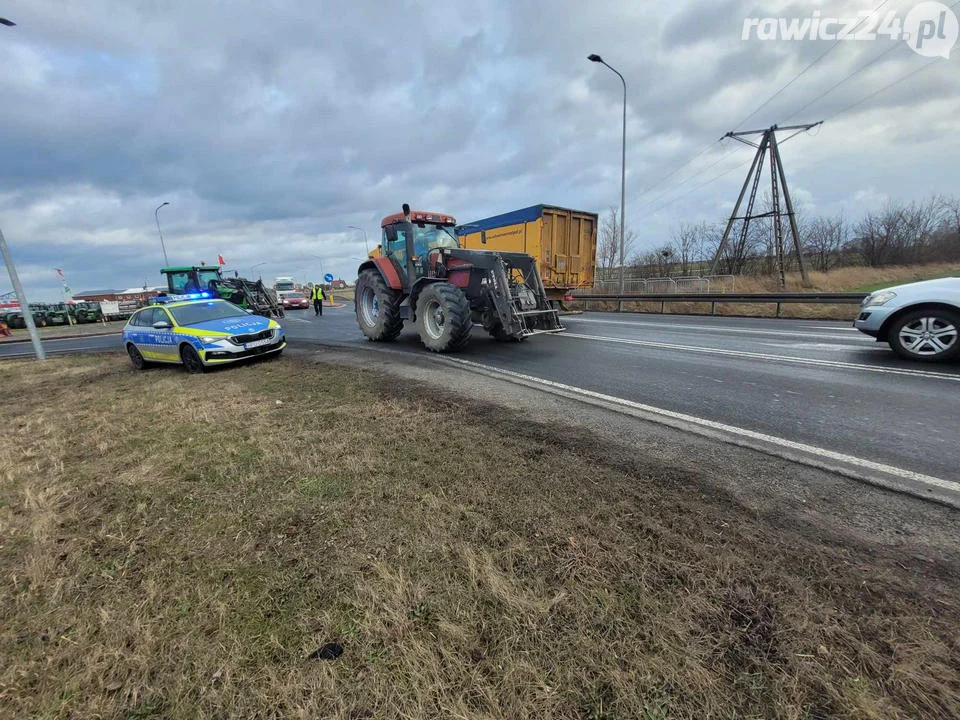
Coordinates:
[921,320]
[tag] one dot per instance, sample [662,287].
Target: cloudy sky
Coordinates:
[271,127]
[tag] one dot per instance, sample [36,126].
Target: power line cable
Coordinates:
[852,74]
[804,71]
[657,183]
[683,182]
[885,87]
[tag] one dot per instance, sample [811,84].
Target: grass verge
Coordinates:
[178,546]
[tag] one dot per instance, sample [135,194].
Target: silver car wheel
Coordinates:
[928,336]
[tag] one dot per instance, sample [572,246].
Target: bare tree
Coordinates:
[608,250]
[950,210]
[685,247]
[823,238]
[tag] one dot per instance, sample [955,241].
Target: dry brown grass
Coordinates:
[176,546]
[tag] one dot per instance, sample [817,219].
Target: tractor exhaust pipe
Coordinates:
[406,212]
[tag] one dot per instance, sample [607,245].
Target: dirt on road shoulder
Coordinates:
[180,546]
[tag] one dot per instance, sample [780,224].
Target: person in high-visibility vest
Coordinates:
[317,296]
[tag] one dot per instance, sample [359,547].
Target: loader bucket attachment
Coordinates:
[517,294]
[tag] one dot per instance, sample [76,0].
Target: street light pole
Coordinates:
[156,214]
[15,278]
[22,299]
[623,166]
[366,247]
[254,267]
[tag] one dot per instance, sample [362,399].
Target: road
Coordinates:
[818,384]
[59,346]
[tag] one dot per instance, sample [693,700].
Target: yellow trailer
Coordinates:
[563,241]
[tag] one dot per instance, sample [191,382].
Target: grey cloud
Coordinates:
[278,125]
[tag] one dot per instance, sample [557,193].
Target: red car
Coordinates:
[294,300]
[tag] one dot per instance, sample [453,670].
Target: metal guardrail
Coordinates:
[714,298]
[698,284]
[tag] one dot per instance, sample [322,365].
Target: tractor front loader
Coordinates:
[424,276]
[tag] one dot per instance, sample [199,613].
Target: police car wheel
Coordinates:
[136,359]
[191,360]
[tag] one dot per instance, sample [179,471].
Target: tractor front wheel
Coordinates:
[498,333]
[443,317]
[377,307]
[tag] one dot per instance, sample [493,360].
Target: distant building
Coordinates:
[141,295]
[138,295]
[96,295]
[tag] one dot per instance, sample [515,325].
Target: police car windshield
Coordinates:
[205,311]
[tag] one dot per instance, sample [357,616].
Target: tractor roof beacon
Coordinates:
[423,275]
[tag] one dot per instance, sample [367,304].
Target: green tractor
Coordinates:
[57,314]
[208,281]
[87,312]
[15,319]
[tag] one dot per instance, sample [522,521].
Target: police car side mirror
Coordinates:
[162,325]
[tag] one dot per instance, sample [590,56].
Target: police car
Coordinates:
[198,331]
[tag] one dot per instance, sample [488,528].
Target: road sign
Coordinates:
[328,277]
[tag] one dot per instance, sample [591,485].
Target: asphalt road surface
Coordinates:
[59,346]
[819,384]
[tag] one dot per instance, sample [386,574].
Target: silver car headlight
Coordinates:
[879,298]
[210,340]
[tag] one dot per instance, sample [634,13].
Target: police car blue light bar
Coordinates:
[162,299]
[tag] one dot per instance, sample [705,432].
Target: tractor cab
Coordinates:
[408,238]
[192,279]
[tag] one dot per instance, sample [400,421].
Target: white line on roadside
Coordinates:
[30,353]
[679,327]
[767,356]
[849,329]
[811,451]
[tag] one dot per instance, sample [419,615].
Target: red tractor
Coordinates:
[424,276]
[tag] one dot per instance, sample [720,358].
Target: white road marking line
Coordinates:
[30,353]
[768,356]
[832,347]
[848,329]
[856,462]
[679,327]
[295,319]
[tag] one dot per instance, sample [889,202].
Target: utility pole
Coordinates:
[22,299]
[778,183]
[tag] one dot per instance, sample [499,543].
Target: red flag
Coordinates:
[220,259]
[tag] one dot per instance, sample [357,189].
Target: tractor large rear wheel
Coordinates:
[443,317]
[377,307]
